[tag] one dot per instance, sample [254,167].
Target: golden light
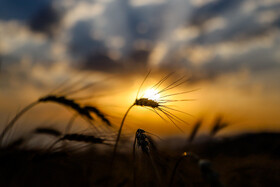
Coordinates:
[152,94]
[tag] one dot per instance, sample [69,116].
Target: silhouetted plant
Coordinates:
[194,131]
[84,111]
[48,131]
[146,144]
[157,105]
[208,174]
[218,125]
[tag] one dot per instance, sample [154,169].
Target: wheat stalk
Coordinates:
[145,143]
[12,122]
[68,103]
[194,131]
[217,126]
[157,106]
[48,131]
[79,138]
[209,175]
[99,114]
[84,111]
[82,138]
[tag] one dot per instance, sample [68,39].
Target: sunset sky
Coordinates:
[230,50]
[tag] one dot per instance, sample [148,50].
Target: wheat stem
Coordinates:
[134,162]
[155,169]
[119,133]
[174,170]
[12,122]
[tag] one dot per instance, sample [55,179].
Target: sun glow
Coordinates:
[152,94]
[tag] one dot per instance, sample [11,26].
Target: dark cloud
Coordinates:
[82,43]
[277,22]
[240,27]
[139,56]
[246,29]
[146,22]
[101,62]
[260,60]
[210,10]
[20,10]
[45,20]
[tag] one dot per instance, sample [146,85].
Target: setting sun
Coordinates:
[152,94]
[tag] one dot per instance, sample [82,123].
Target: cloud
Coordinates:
[111,36]
[101,62]
[146,2]
[212,9]
[45,20]
[82,43]
[18,40]
[81,11]
[135,62]
[20,10]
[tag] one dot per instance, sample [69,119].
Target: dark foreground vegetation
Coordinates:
[245,160]
[84,159]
